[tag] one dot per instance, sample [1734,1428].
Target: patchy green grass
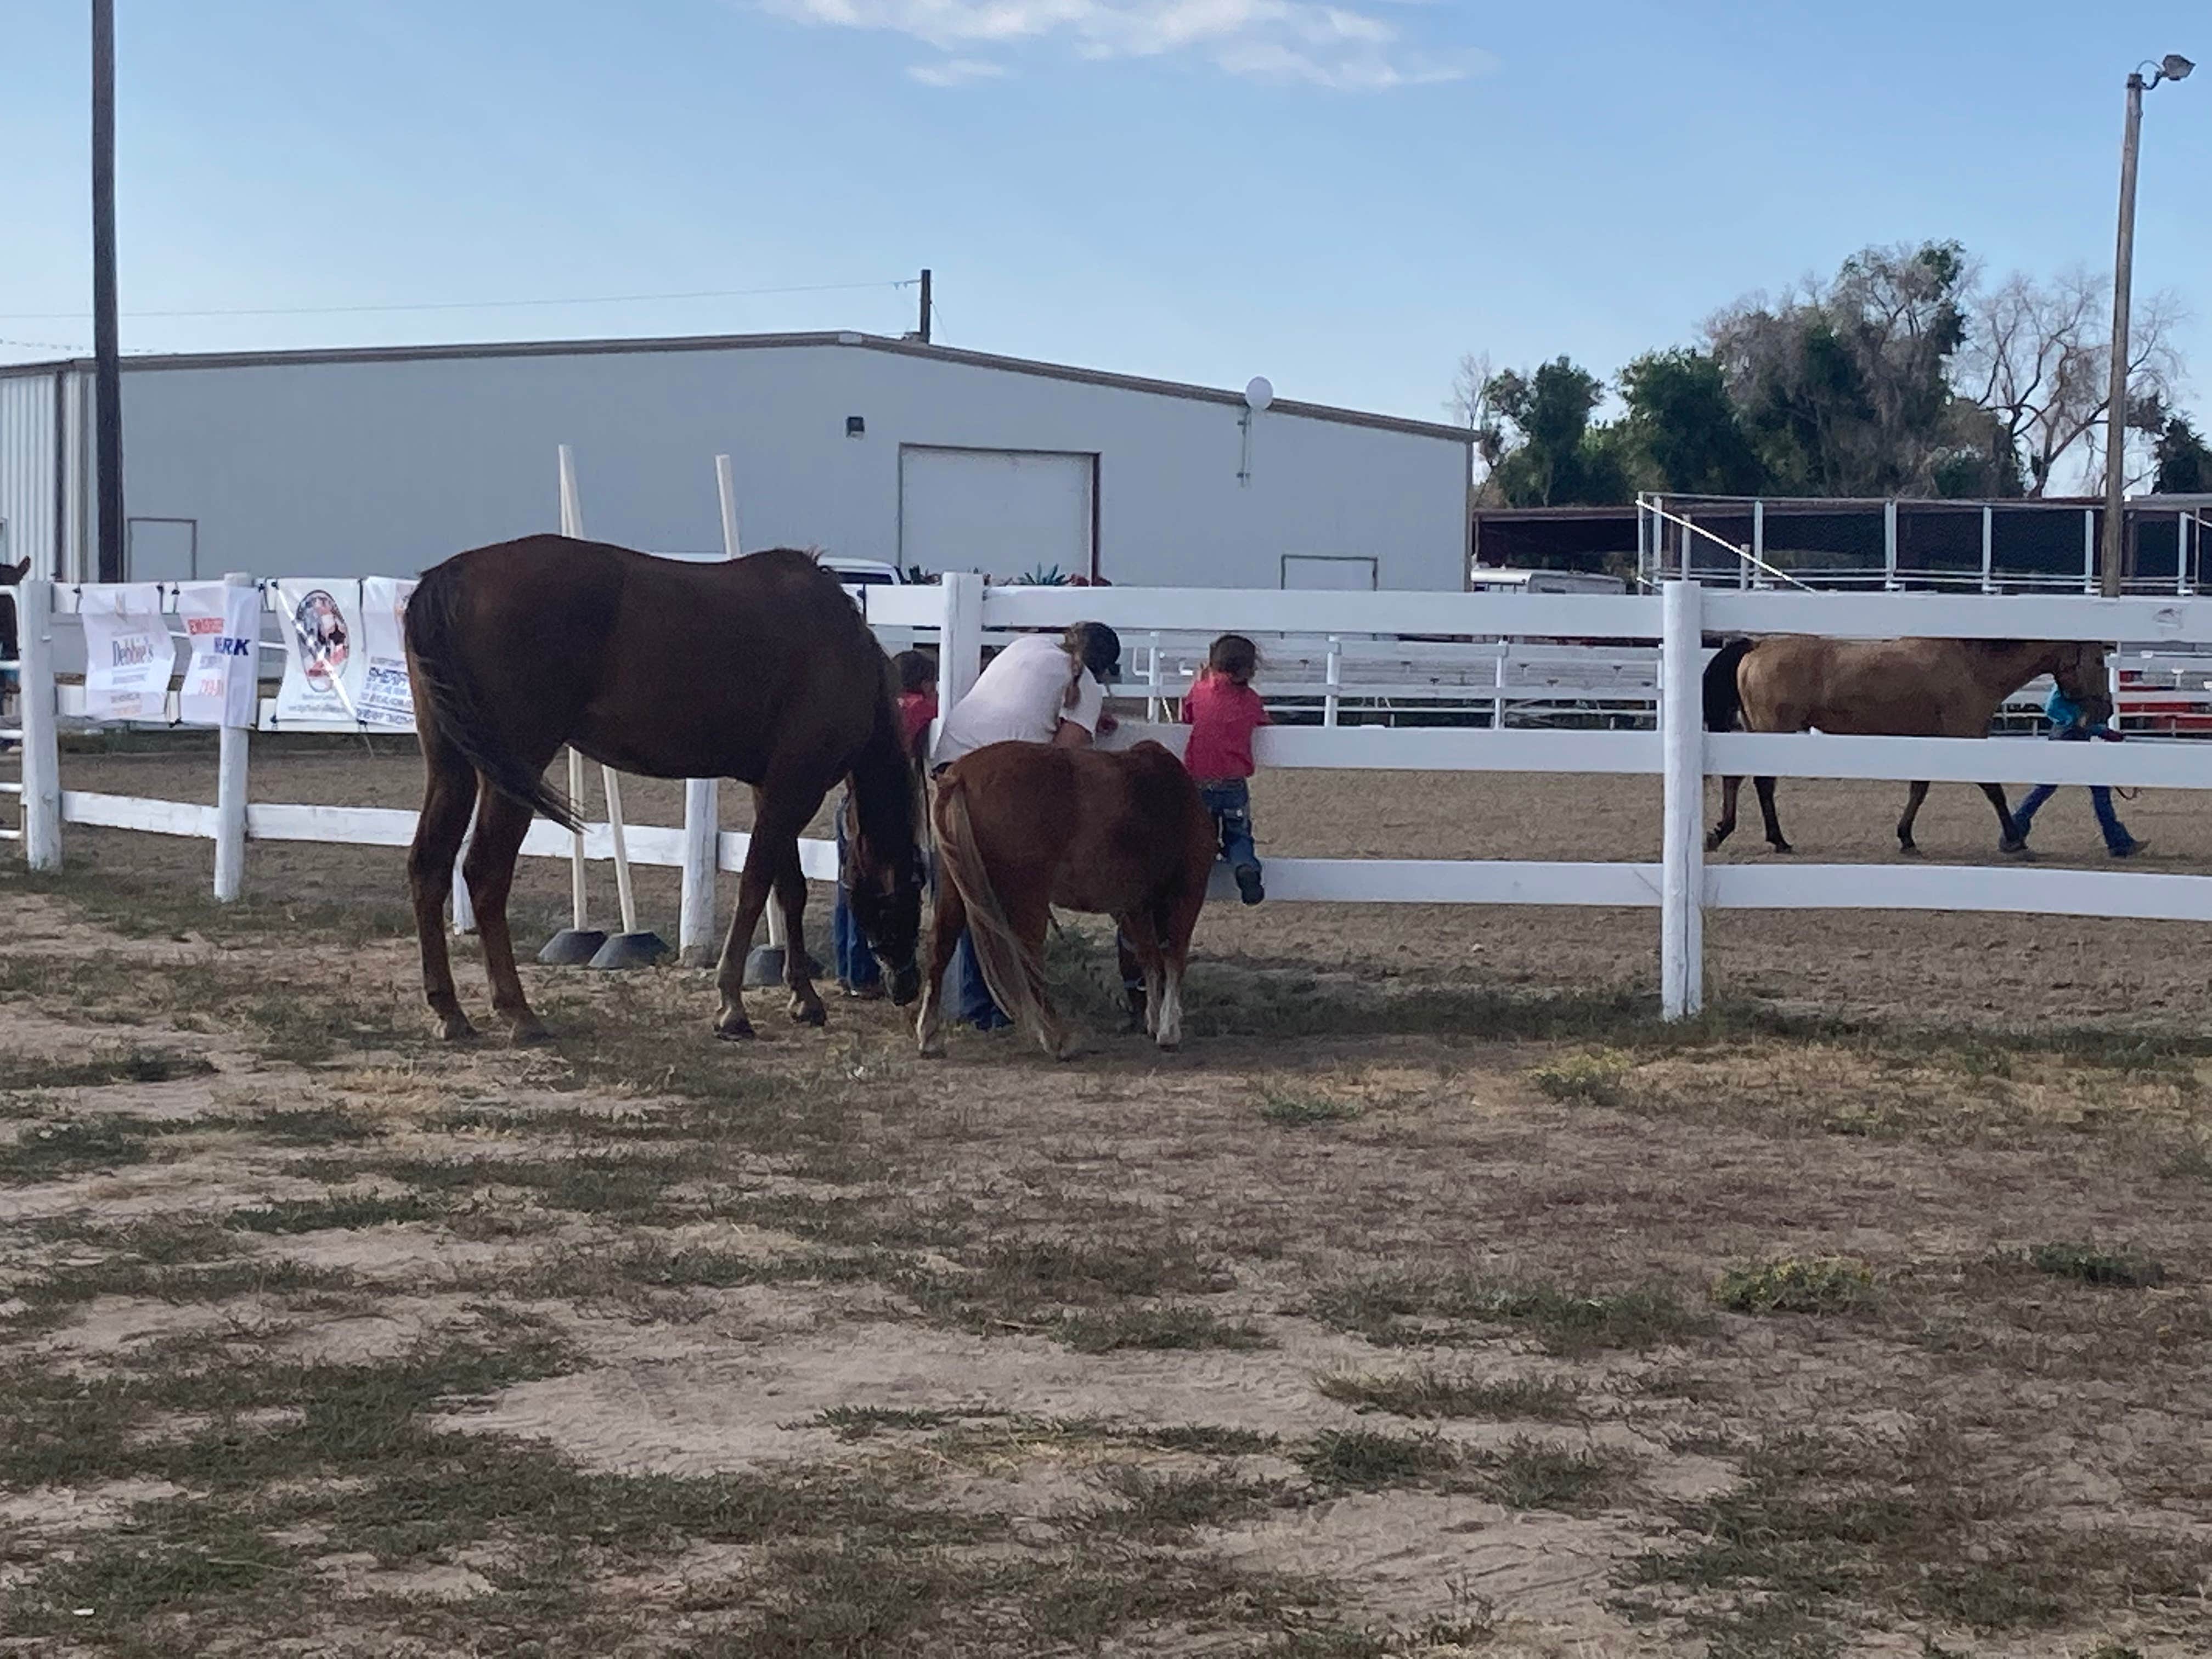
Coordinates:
[1594,1078]
[1410,1308]
[1292,1108]
[312,1126]
[1161,1506]
[1538,1475]
[1823,1526]
[1367,1460]
[53,1151]
[2094,1266]
[130,1065]
[309,1215]
[1173,1326]
[1818,1284]
[1437,1394]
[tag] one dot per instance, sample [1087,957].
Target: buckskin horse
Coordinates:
[1885,688]
[1022,827]
[759,669]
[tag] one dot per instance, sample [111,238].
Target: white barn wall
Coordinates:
[387,466]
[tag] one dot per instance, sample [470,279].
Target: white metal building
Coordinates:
[384,461]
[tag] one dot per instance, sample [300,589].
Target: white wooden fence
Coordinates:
[963,612]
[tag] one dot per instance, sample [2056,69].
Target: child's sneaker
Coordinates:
[1248,883]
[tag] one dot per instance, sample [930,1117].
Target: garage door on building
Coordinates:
[1007,513]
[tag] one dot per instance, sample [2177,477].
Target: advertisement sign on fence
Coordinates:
[325,667]
[222,626]
[387,698]
[128,654]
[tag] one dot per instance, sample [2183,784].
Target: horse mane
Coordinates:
[886,785]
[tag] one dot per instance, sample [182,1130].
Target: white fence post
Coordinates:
[230,791]
[1682,742]
[42,777]
[960,646]
[703,827]
[1335,681]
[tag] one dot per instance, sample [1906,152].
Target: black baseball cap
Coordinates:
[1102,651]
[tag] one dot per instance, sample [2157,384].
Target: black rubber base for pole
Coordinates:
[631,950]
[764,967]
[572,948]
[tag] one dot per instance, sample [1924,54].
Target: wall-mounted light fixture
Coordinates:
[1258,394]
[855,426]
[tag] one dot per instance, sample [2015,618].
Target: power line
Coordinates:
[467,305]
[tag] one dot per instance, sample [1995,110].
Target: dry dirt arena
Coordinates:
[1434,1300]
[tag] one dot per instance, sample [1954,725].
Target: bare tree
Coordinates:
[2037,356]
[1473,406]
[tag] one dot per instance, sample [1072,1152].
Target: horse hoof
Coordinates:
[809,1013]
[1713,843]
[930,1047]
[1782,846]
[732,1026]
[528,1033]
[1908,849]
[456,1029]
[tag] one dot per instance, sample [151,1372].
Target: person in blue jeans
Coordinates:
[2070,723]
[1040,689]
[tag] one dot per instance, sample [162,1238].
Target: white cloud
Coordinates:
[1285,40]
[955,71]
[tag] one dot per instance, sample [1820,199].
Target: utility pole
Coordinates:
[924,305]
[107,398]
[2115,414]
[2172,67]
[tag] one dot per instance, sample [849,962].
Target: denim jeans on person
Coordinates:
[2116,838]
[857,968]
[1229,801]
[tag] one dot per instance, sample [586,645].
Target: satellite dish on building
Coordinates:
[1258,393]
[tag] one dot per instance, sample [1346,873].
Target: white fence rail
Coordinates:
[963,613]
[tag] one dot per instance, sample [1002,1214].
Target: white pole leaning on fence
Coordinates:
[42,777]
[231,788]
[464,908]
[571,524]
[703,797]
[960,645]
[1682,743]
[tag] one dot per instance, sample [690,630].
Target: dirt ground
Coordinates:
[1434,1300]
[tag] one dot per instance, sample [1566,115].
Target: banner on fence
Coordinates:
[325,667]
[387,698]
[222,626]
[128,654]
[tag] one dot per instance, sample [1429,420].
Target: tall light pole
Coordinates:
[107,362]
[2172,67]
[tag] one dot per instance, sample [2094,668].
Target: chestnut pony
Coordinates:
[1885,688]
[1023,826]
[759,669]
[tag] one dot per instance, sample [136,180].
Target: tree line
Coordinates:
[1904,374]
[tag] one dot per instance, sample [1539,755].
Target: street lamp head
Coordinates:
[2174,67]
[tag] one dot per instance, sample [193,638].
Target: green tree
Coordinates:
[1684,429]
[1559,457]
[2185,460]
[1843,390]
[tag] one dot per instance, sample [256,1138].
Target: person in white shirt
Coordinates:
[1038,690]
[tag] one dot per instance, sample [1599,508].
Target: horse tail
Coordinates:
[449,704]
[1014,979]
[1724,701]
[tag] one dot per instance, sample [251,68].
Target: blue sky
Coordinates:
[1344,199]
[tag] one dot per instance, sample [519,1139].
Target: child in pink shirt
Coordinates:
[1223,711]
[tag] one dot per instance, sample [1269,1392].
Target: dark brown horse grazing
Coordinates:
[1023,826]
[1885,688]
[758,669]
